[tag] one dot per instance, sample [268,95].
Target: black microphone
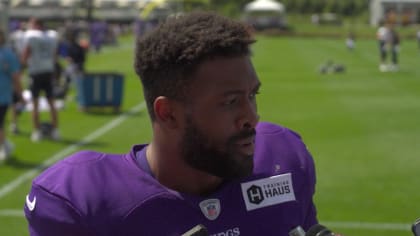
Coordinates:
[319,230]
[198,230]
[416,227]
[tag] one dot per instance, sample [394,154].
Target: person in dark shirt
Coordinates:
[76,57]
[76,53]
[394,42]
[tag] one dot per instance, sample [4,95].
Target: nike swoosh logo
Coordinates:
[30,204]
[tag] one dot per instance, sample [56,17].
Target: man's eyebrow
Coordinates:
[232,92]
[240,91]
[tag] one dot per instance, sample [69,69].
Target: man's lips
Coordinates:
[247,145]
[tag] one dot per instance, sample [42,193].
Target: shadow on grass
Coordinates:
[23,134]
[16,163]
[67,141]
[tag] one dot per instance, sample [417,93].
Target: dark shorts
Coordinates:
[382,46]
[15,98]
[42,82]
[3,111]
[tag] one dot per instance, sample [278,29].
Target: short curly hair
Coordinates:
[167,57]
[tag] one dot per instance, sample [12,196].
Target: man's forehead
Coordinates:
[225,70]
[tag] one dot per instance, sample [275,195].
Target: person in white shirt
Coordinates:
[350,41]
[17,40]
[418,37]
[382,35]
[40,55]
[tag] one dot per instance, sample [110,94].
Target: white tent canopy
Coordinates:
[265,14]
[264,5]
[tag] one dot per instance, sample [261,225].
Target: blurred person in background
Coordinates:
[40,56]
[9,81]
[17,39]
[97,35]
[394,44]
[350,41]
[17,107]
[418,38]
[382,35]
[76,57]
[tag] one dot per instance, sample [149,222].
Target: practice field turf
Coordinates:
[362,127]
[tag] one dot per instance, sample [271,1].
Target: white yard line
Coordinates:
[12,213]
[6,189]
[331,224]
[368,225]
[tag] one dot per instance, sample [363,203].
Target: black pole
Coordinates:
[4,16]
[89,11]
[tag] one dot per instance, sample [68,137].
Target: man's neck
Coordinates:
[171,171]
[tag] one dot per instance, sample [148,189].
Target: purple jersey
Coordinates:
[91,193]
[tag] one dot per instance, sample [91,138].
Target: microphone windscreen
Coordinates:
[198,230]
[298,231]
[319,230]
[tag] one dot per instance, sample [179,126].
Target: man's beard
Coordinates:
[200,152]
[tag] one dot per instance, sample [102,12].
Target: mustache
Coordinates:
[242,135]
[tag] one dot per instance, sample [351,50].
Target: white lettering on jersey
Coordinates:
[230,232]
[268,191]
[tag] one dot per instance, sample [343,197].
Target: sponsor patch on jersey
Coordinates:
[268,191]
[210,208]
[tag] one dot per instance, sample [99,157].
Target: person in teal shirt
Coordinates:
[9,81]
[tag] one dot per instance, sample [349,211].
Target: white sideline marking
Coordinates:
[368,225]
[12,213]
[330,224]
[4,190]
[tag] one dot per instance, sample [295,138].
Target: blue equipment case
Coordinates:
[100,90]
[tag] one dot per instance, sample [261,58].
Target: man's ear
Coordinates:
[165,112]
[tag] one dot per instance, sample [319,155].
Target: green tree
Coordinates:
[318,6]
[291,5]
[89,10]
[189,5]
[304,6]
[347,7]
[331,6]
[230,8]
[360,6]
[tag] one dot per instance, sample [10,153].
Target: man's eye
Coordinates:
[230,101]
[253,95]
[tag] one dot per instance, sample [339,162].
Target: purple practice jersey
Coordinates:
[91,193]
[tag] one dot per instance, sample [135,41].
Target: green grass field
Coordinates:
[362,127]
